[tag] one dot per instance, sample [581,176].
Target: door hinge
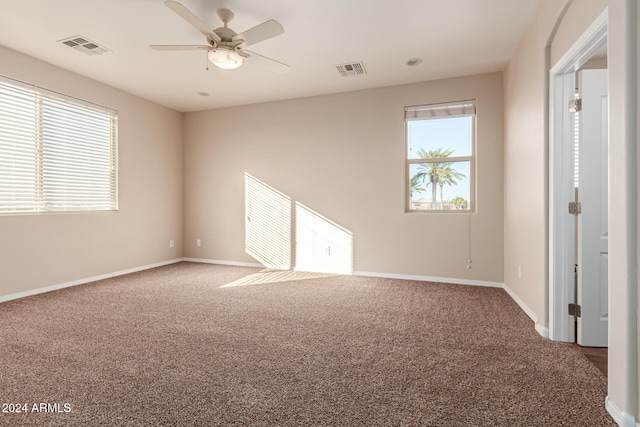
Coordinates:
[575,105]
[575,310]
[575,208]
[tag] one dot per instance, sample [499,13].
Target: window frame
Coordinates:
[79,189]
[471,159]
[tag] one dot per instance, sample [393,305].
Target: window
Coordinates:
[440,158]
[57,154]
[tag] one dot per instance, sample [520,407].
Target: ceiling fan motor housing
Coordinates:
[226,34]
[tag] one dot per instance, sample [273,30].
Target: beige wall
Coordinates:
[51,249]
[342,156]
[558,26]
[525,160]
[579,15]
[623,199]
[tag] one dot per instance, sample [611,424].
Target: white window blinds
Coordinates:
[56,153]
[441,111]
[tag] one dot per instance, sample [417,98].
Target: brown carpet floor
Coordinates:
[171,347]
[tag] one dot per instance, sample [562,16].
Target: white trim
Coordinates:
[561,240]
[429,279]
[543,331]
[221,262]
[363,273]
[623,419]
[585,47]
[86,280]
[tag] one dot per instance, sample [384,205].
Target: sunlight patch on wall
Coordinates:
[267,224]
[321,244]
[284,236]
[275,276]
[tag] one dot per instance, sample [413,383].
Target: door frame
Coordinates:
[561,223]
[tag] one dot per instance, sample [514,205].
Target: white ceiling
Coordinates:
[453,37]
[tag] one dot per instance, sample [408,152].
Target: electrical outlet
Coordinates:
[519,272]
[327,250]
[198,242]
[171,244]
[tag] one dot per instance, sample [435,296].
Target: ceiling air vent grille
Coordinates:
[351,69]
[84,45]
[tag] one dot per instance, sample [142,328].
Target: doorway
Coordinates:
[578,202]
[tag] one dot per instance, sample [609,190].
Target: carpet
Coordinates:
[206,345]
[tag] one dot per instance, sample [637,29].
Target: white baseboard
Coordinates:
[85,280]
[364,273]
[217,261]
[430,279]
[621,418]
[542,330]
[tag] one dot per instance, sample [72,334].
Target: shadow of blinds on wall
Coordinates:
[321,244]
[284,235]
[267,224]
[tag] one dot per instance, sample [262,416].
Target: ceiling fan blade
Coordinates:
[261,32]
[263,61]
[178,47]
[192,19]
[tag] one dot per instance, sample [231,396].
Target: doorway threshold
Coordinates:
[596,355]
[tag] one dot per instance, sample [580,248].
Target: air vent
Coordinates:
[84,45]
[351,69]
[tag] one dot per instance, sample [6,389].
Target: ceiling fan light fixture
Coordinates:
[224,57]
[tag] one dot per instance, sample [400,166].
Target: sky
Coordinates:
[452,133]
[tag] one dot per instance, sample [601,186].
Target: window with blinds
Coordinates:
[440,157]
[57,153]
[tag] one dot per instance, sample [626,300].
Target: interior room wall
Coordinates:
[623,48]
[42,250]
[525,165]
[557,27]
[575,21]
[342,157]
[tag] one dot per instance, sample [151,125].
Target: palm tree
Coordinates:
[432,170]
[448,176]
[460,202]
[415,186]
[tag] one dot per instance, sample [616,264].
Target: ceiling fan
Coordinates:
[225,48]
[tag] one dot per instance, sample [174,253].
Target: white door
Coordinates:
[593,229]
